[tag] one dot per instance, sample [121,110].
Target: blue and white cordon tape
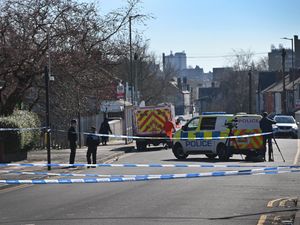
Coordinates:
[130,175]
[138,137]
[22,129]
[144,177]
[129,165]
[178,138]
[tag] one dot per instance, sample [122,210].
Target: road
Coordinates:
[216,200]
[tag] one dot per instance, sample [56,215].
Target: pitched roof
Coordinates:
[278,87]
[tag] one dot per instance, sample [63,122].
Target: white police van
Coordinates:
[208,134]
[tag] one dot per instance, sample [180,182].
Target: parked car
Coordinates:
[285,126]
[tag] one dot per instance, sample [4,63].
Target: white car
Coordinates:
[285,126]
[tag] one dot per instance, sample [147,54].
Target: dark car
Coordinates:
[286,126]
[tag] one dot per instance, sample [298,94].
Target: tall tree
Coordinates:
[79,41]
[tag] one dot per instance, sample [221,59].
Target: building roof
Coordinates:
[290,85]
[278,87]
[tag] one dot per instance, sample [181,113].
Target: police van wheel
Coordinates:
[211,156]
[223,153]
[178,152]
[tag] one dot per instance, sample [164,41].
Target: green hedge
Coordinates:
[15,141]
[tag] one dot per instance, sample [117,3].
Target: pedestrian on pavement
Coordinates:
[266,126]
[169,129]
[72,138]
[92,141]
[105,129]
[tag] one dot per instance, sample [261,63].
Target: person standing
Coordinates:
[72,137]
[92,141]
[266,127]
[169,129]
[105,129]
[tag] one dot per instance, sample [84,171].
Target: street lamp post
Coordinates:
[2,84]
[250,91]
[283,96]
[292,75]
[47,117]
[130,53]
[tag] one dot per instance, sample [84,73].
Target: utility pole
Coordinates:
[292,71]
[283,95]
[250,91]
[136,77]
[48,130]
[130,52]
[79,116]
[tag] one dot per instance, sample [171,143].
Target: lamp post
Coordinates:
[250,91]
[283,96]
[292,75]
[2,84]
[130,53]
[47,117]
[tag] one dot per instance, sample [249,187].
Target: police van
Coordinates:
[208,134]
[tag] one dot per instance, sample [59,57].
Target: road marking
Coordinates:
[283,202]
[262,220]
[296,160]
[271,203]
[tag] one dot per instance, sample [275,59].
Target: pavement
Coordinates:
[105,153]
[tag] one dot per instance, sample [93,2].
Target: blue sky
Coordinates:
[205,28]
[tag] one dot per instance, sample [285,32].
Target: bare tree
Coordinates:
[79,42]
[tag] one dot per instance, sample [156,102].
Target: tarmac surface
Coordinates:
[105,153]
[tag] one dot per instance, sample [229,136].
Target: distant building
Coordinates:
[297,52]
[275,59]
[192,73]
[218,73]
[176,61]
[181,99]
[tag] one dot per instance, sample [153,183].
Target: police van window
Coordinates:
[193,124]
[208,123]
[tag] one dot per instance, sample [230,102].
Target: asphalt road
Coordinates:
[217,200]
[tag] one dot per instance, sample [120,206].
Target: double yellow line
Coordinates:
[280,202]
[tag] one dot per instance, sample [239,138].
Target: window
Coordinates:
[208,123]
[193,124]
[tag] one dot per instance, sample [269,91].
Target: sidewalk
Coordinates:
[112,151]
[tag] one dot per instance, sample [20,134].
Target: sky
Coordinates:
[208,30]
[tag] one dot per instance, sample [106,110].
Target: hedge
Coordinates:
[15,141]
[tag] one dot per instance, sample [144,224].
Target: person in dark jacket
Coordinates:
[72,138]
[266,126]
[92,141]
[105,129]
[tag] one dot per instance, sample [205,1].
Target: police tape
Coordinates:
[267,169]
[22,129]
[180,138]
[145,137]
[130,165]
[145,177]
